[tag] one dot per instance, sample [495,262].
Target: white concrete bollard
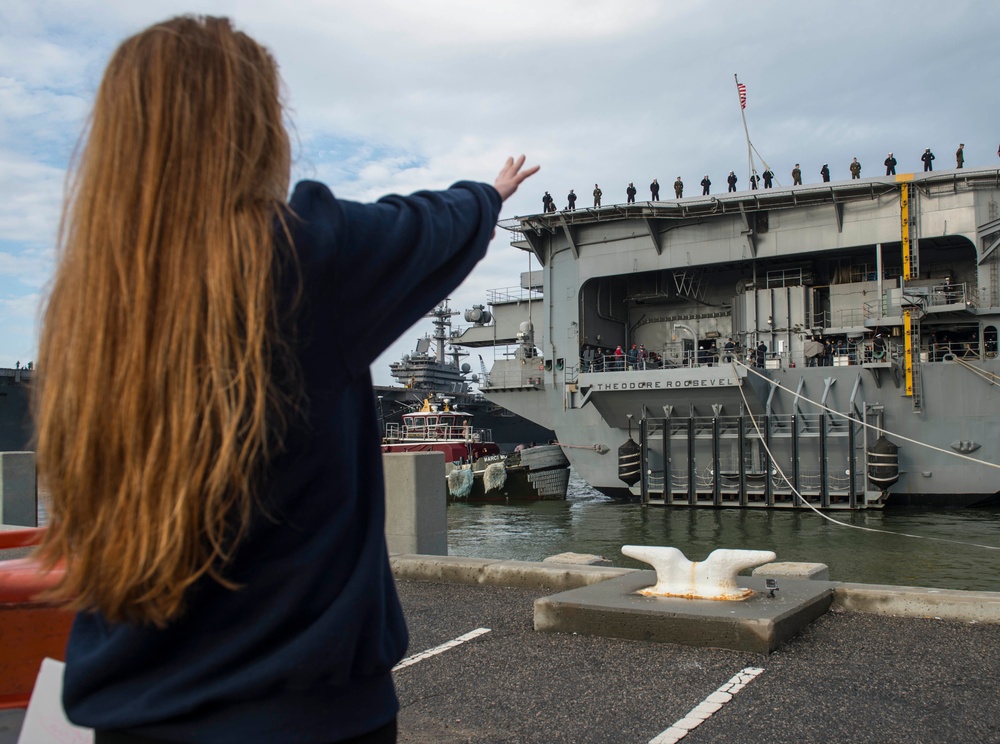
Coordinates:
[712,578]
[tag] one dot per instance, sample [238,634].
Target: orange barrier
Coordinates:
[26,538]
[29,630]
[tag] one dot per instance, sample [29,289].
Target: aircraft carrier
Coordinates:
[830,345]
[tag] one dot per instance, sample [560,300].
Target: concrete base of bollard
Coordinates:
[789,570]
[416,519]
[613,609]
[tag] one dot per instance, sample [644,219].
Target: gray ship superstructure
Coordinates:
[786,340]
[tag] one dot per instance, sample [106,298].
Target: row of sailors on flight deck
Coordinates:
[548,203]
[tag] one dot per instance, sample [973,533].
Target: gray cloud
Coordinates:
[393,96]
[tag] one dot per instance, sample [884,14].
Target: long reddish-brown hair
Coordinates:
[157,403]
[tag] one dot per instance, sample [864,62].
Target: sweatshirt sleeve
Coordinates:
[372,270]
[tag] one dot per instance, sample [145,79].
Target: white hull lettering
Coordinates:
[704,382]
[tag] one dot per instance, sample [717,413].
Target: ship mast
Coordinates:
[741,94]
[442,327]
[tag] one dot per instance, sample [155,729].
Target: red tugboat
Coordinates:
[475,468]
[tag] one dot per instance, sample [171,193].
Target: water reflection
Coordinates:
[590,523]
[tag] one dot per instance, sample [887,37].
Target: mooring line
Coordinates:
[707,707]
[411,660]
[805,502]
[878,429]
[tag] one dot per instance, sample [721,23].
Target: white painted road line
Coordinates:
[411,660]
[703,710]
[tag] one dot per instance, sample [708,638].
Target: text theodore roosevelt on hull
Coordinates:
[663,384]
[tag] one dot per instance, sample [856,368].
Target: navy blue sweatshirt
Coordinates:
[302,653]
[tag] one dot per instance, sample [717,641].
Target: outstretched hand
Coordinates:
[511,176]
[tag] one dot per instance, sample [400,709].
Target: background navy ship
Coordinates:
[897,276]
[435,371]
[16,430]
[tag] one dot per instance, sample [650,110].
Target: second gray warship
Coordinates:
[435,371]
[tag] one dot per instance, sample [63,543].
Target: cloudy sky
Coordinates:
[396,95]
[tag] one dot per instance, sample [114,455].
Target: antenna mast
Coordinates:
[741,93]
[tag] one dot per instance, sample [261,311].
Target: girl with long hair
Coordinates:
[205,418]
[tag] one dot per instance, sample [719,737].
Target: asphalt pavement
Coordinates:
[849,677]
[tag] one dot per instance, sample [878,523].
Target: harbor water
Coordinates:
[588,522]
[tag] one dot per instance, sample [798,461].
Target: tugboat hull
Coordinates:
[534,474]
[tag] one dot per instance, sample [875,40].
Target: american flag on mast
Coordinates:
[743,94]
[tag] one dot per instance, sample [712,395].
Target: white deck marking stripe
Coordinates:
[703,710]
[410,660]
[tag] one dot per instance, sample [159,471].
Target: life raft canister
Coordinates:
[628,462]
[883,463]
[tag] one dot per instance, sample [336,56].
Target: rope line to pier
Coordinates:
[877,429]
[988,376]
[806,503]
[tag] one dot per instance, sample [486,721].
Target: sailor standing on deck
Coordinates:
[825,172]
[705,185]
[732,179]
[890,165]
[754,180]
[654,190]
[960,156]
[928,158]
[796,175]
[633,358]
[768,178]
[678,187]
[547,202]
[855,169]
[597,195]
[571,201]
[630,193]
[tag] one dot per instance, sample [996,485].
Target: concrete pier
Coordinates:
[900,675]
